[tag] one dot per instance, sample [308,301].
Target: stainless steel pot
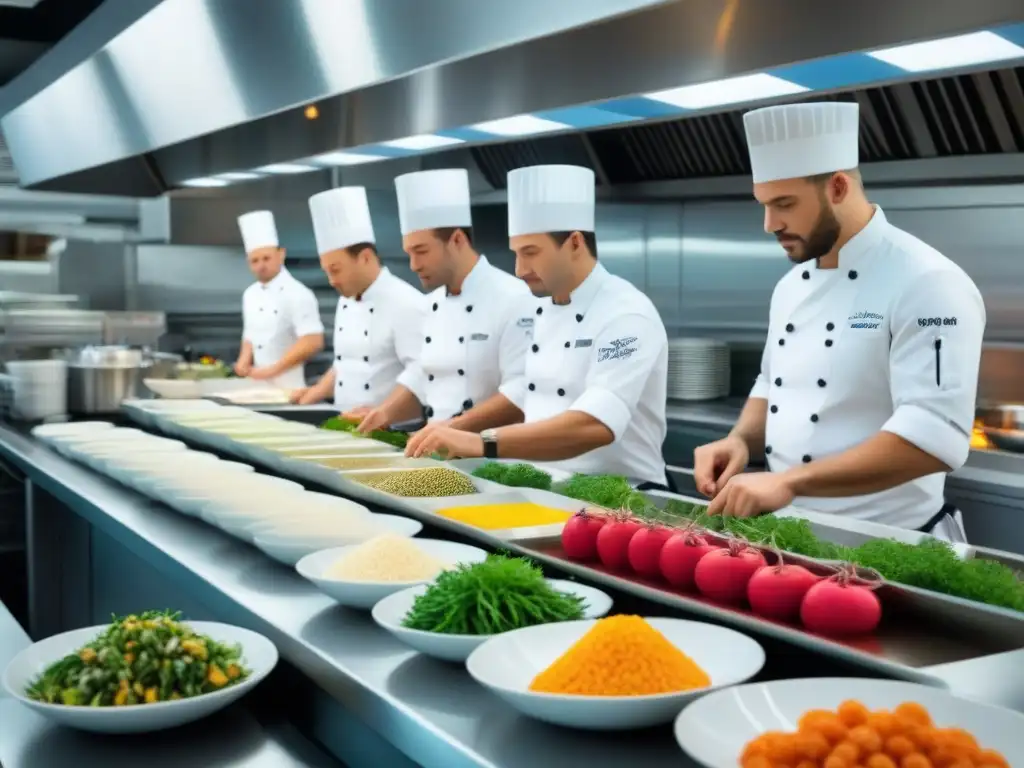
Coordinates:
[164,365]
[100,378]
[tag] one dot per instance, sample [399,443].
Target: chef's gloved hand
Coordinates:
[715,463]
[751,494]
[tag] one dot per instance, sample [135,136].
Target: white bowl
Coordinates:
[366,594]
[50,431]
[244,519]
[174,389]
[192,499]
[715,729]
[258,653]
[508,663]
[147,481]
[391,610]
[289,547]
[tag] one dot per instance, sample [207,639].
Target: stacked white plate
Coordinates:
[698,369]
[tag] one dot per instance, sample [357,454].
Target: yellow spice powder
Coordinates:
[494,517]
[621,656]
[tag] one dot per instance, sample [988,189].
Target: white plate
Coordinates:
[244,520]
[366,594]
[289,548]
[714,730]
[390,612]
[49,431]
[173,389]
[258,654]
[508,663]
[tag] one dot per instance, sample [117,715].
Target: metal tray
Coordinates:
[920,629]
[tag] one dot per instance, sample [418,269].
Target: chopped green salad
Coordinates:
[141,659]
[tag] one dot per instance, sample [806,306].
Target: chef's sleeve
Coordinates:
[305,313]
[409,320]
[937,330]
[414,379]
[516,338]
[625,355]
[760,388]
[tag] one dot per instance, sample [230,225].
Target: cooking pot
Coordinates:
[100,378]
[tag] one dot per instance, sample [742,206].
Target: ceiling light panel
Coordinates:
[285,168]
[422,142]
[733,90]
[520,125]
[347,158]
[950,52]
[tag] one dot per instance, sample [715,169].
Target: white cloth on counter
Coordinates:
[605,353]
[258,230]
[792,141]
[550,198]
[891,340]
[341,218]
[274,316]
[433,199]
[474,343]
[377,335]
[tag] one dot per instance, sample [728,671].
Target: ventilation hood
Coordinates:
[200,89]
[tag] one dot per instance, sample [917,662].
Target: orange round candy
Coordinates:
[915,760]
[881,761]
[913,712]
[847,750]
[756,761]
[866,739]
[899,747]
[813,746]
[836,761]
[989,757]
[853,713]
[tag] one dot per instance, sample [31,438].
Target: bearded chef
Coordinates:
[281,325]
[379,316]
[866,395]
[596,370]
[479,319]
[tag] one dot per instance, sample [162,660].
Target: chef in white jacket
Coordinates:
[479,319]
[596,371]
[378,322]
[866,395]
[281,325]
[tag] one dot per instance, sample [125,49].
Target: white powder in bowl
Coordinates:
[386,558]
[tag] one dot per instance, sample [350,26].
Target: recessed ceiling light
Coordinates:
[347,158]
[950,52]
[238,176]
[732,90]
[205,183]
[422,142]
[520,125]
[286,168]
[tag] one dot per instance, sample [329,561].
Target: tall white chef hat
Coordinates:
[429,199]
[341,218]
[550,198]
[796,140]
[258,230]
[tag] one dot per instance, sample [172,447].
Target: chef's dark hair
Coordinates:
[589,239]
[444,234]
[355,250]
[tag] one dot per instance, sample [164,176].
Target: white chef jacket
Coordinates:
[604,353]
[376,336]
[274,316]
[474,343]
[890,340]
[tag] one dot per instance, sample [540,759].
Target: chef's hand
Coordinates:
[243,369]
[450,443]
[373,418]
[356,414]
[296,395]
[264,372]
[715,463]
[751,494]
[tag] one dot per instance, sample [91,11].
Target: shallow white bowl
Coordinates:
[146,481]
[50,431]
[366,594]
[245,519]
[715,729]
[391,610]
[191,500]
[290,547]
[173,389]
[258,653]
[508,663]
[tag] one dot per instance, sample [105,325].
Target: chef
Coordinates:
[281,325]
[867,388]
[596,370]
[379,317]
[479,318]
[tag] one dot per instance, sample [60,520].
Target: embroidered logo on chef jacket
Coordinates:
[582,343]
[865,320]
[524,322]
[620,349]
[479,337]
[936,322]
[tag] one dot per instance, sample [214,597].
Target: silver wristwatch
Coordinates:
[490,438]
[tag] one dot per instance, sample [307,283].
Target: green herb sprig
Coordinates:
[608,491]
[514,475]
[498,595]
[389,436]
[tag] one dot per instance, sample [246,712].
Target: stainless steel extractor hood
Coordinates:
[202,87]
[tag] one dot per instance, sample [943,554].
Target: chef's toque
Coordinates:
[258,230]
[550,198]
[793,141]
[341,218]
[433,199]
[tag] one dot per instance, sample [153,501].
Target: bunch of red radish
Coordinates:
[730,572]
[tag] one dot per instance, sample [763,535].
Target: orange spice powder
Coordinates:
[621,656]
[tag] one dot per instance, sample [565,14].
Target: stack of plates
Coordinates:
[698,369]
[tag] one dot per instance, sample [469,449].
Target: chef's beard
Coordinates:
[820,241]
